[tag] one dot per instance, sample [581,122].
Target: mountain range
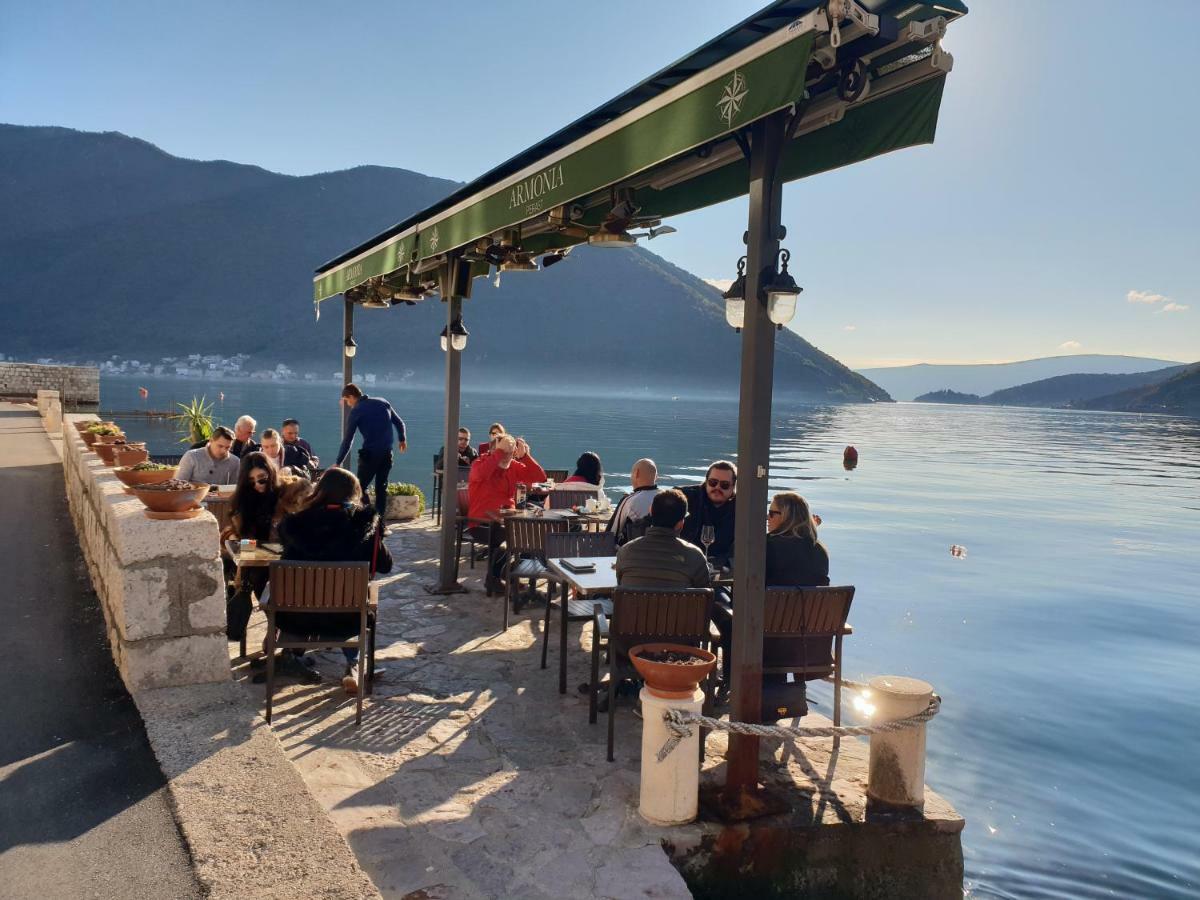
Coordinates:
[909,382]
[109,245]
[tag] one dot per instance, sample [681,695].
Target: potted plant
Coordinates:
[144,473]
[130,453]
[673,671]
[404,501]
[95,431]
[194,421]
[171,499]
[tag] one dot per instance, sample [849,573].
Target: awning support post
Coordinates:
[767,137]
[455,278]
[347,362]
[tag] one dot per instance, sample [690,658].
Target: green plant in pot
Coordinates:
[101,429]
[404,501]
[194,422]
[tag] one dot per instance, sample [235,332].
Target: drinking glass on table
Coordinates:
[708,536]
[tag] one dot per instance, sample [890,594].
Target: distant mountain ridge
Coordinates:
[1178,395]
[110,245]
[908,382]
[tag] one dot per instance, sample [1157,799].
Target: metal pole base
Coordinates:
[454,588]
[741,804]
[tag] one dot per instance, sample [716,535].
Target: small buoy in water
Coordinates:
[221,396]
[958,551]
[143,393]
[850,458]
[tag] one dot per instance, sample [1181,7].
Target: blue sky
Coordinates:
[1056,213]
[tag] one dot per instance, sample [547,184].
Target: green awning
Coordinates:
[678,151]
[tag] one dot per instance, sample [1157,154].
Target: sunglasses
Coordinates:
[717,482]
[258,481]
[774,512]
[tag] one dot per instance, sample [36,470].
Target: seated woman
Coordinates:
[334,525]
[795,558]
[254,513]
[587,470]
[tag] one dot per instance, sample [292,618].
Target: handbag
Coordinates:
[237,614]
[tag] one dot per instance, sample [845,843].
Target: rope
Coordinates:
[680,723]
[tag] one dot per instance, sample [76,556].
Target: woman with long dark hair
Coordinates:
[334,525]
[254,512]
[588,470]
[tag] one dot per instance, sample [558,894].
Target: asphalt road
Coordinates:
[83,807]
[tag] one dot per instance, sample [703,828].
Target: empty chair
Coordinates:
[560,499]
[525,554]
[642,616]
[803,629]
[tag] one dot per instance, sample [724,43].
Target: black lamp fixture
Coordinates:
[455,336]
[350,348]
[735,298]
[781,291]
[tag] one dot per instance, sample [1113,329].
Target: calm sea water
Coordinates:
[1066,644]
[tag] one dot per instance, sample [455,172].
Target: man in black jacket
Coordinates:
[713,503]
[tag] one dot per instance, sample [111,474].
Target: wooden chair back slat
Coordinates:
[528,536]
[811,611]
[568,499]
[580,544]
[464,501]
[641,615]
[328,587]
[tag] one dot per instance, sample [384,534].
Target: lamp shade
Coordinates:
[350,348]
[735,312]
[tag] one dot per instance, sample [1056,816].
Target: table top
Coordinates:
[602,581]
[256,557]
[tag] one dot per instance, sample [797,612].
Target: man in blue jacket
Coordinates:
[374,418]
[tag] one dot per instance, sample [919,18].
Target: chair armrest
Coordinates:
[600,620]
[847,629]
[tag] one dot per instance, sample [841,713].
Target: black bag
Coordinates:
[237,614]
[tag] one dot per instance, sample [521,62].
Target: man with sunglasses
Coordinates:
[713,503]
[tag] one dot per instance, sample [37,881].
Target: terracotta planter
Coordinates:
[89,437]
[132,479]
[171,501]
[118,438]
[671,680]
[105,451]
[402,507]
[131,454]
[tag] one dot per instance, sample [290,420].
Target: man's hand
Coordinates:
[403,445]
[521,450]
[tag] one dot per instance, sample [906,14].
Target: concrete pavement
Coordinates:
[83,808]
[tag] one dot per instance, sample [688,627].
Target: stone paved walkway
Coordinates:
[471,776]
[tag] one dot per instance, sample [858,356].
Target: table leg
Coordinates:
[562,640]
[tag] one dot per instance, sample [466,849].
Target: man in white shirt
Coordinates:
[212,463]
[629,518]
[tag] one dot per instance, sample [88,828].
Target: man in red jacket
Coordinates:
[495,475]
[493,486]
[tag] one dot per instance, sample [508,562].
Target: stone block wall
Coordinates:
[77,385]
[160,583]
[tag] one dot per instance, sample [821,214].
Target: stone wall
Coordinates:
[77,385]
[160,583]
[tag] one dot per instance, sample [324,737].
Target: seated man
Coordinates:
[211,463]
[630,518]
[298,453]
[494,431]
[466,453]
[713,503]
[493,487]
[243,437]
[660,559]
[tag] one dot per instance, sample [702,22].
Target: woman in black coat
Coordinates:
[334,526]
[253,515]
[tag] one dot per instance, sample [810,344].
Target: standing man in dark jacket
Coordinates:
[713,503]
[374,418]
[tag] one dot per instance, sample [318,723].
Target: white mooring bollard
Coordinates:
[671,788]
[897,771]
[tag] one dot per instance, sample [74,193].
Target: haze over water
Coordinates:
[1064,644]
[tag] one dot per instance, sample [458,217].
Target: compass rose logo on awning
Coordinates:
[433,240]
[732,98]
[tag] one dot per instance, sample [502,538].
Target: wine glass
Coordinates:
[708,535]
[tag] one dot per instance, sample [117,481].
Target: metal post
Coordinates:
[455,283]
[347,362]
[754,446]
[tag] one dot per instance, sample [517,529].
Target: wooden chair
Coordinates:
[314,588]
[640,616]
[525,554]
[567,499]
[575,544]
[799,625]
[557,475]
[462,525]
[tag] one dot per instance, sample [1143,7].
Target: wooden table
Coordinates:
[258,557]
[587,585]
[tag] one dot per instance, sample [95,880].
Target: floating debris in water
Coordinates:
[958,551]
